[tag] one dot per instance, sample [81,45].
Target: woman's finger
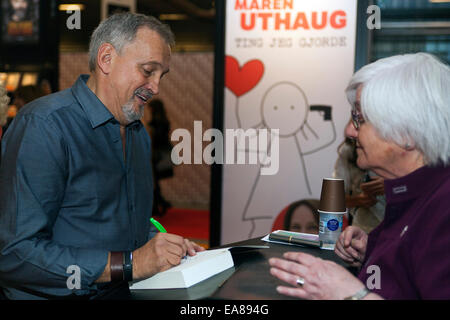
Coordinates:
[285,276]
[357,255]
[340,251]
[294,268]
[300,257]
[293,292]
[340,245]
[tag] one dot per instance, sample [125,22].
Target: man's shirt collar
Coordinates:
[95,110]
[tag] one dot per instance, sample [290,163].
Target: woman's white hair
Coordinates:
[4,100]
[407,100]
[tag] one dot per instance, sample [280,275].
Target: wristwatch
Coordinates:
[358,295]
[128,266]
[121,266]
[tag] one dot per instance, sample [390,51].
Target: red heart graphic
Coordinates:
[242,80]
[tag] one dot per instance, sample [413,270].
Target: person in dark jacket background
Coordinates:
[161,148]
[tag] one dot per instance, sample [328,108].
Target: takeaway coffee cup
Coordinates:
[331,210]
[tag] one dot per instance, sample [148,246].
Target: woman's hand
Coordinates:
[324,280]
[351,246]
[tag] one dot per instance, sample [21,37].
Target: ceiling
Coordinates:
[192,22]
[195,30]
[194,7]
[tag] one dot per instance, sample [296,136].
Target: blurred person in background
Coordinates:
[364,190]
[20,97]
[4,100]
[159,128]
[19,10]
[26,94]
[302,216]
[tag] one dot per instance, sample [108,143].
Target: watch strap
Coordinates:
[116,264]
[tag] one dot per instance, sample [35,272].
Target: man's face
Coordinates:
[137,71]
[20,8]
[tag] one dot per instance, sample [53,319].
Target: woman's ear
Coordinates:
[105,56]
[409,145]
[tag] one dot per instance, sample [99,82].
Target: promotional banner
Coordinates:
[287,64]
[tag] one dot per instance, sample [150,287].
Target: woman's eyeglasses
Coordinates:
[357,119]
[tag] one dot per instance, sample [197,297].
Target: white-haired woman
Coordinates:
[401,124]
[4,100]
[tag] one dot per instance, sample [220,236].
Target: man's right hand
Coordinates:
[351,246]
[162,252]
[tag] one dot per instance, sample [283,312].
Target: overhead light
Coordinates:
[173,16]
[441,1]
[71,7]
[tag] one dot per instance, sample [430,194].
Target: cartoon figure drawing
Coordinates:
[302,127]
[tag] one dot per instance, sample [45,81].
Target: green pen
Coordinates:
[158,225]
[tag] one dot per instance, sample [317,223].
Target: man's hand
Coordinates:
[192,247]
[162,252]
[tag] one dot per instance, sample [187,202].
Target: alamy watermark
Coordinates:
[74,280]
[374,280]
[73,22]
[374,20]
[251,146]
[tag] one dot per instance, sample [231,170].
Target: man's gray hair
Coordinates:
[407,100]
[4,100]
[120,29]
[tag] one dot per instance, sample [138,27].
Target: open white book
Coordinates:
[191,270]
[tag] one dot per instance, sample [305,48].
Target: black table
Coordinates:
[249,279]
